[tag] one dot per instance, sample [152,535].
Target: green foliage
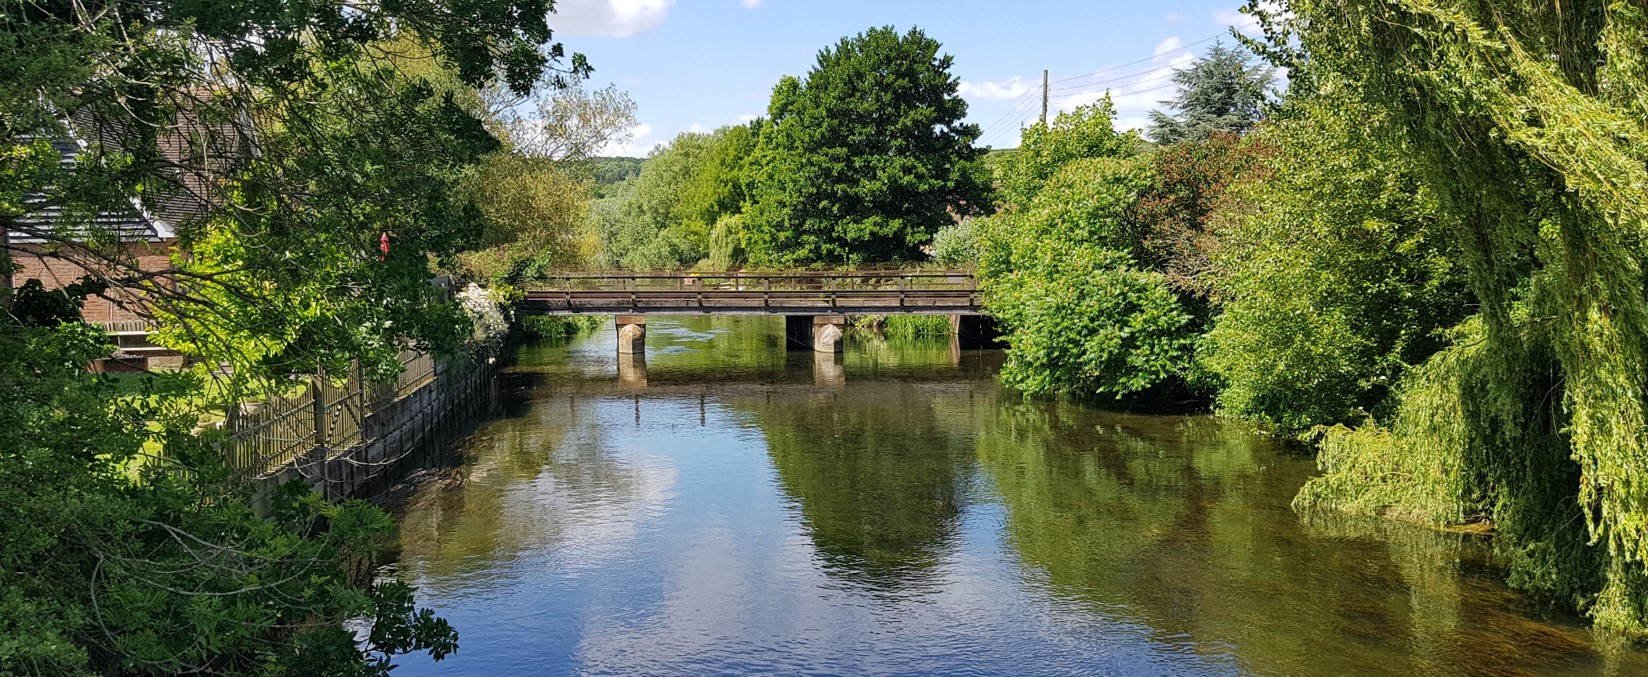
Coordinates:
[956,245]
[1087,132]
[534,214]
[904,326]
[406,148]
[1335,272]
[174,573]
[1082,317]
[663,218]
[864,159]
[1170,222]
[1222,92]
[727,250]
[560,327]
[609,172]
[288,142]
[1528,121]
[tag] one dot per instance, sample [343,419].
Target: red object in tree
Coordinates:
[383,246]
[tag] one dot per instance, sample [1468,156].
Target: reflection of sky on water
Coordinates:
[731,516]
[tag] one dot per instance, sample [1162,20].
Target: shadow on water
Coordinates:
[733,507]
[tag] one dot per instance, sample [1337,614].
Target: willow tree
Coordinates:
[1531,123]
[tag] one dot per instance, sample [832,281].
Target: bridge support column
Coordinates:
[828,332]
[822,333]
[632,334]
[976,332]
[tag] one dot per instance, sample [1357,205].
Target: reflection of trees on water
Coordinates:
[1185,525]
[528,481]
[879,479]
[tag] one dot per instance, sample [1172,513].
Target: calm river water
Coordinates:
[731,508]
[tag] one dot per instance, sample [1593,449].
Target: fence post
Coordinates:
[359,376]
[317,386]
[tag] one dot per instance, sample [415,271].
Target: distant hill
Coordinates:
[611,171]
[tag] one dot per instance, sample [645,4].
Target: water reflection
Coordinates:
[877,477]
[722,506]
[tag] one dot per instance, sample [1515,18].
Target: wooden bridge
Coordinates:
[790,293]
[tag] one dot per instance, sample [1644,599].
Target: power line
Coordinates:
[1076,91]
[1028,96]
[1067,98]
[1153,57]
[1028,99]
[1091,85]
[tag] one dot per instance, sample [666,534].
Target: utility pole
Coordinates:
[1044,97]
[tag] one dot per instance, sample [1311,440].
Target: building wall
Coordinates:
[56,273]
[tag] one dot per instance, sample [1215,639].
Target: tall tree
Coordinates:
[1529,122]
[1224,91]
[865,158]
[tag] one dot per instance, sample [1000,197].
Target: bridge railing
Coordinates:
[826,281]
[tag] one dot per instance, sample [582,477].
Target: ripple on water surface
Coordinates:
[723,506]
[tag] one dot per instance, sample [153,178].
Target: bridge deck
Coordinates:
[803,293]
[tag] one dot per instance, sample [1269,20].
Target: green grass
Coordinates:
[560,327]
[904,326]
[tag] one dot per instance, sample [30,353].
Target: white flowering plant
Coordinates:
[488,312]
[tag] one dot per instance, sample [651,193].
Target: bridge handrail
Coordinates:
[766,281]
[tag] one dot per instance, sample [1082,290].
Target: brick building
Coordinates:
[44,246]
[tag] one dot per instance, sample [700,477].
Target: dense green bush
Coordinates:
[1335,273]
[1086,132]
[956,245]
[1082,317]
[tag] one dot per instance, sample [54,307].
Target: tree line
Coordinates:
[1425,262]
[859,161]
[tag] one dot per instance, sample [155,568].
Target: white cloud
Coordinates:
[1011,88]
[1168,45]
[747,118]
[610,18]
[749,4]
[638,143]
[1138,122]
[1173,17]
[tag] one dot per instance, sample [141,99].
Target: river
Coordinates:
[734,508]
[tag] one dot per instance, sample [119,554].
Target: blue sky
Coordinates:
[700,64]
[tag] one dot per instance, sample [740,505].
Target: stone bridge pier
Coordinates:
[822,333]
[632,334]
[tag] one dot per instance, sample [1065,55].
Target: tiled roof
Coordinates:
[125,225]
